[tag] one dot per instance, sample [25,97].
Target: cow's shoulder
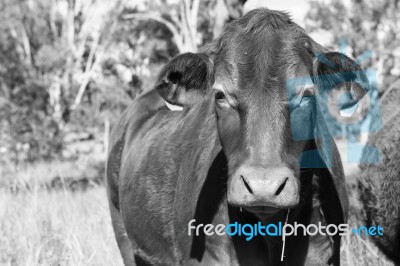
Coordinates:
[123,129]
[142,108]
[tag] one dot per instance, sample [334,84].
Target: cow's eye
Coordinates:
[221,99]
[219,95]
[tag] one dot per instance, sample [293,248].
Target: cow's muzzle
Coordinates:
[260,189]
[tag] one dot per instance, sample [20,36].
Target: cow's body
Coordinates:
[176,172]
[235,144]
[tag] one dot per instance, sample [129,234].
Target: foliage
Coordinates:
[354,22]
[71,66]
[191,23]
[351,25]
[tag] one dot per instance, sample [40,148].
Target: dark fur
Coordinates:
[165,168]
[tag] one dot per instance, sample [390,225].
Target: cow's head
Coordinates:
[263,126]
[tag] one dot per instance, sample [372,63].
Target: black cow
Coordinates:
[234,153]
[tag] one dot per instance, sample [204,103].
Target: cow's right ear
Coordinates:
[335,71]
[184,79]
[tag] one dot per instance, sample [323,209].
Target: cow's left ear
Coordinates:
[335,71]
[184,79]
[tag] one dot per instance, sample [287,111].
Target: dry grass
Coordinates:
[361,251]
[41,227]
[56,228]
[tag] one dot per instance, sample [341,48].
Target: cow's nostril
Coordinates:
[246,184]
[281,187]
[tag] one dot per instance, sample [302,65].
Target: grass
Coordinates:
[360,250]
[56,228]
[59,227]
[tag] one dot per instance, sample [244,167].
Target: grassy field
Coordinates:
[60,227]
[56,228]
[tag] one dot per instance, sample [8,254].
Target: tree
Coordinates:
[69,66]
[50,51]
[365,26]
[183,19]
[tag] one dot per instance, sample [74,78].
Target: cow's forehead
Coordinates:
[261,52]
[249,72]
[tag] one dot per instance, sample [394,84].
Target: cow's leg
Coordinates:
[124,244]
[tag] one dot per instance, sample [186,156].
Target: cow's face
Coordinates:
[253,107]
[263,125]
[254,128]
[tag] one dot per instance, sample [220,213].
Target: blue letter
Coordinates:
[269,232]
[228,232]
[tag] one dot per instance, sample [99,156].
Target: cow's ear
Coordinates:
[335,73]
[184,79]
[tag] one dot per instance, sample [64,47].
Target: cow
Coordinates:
[243,148]
[379,177]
